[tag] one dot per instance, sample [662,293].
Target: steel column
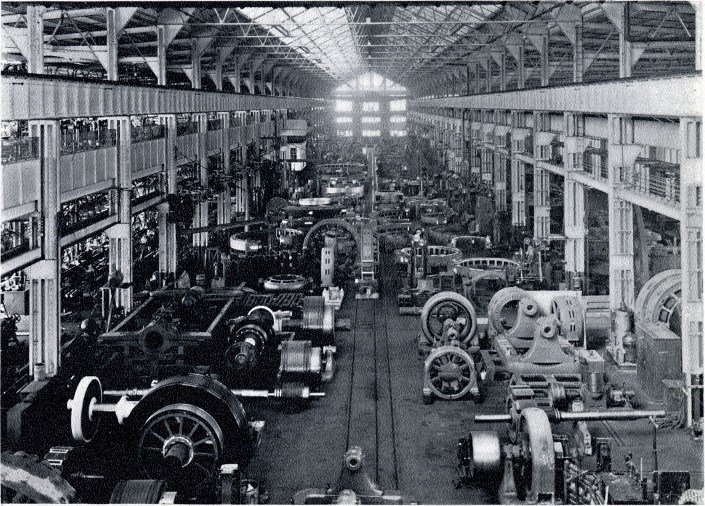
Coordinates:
[691,234]
[35,27]
[112,43]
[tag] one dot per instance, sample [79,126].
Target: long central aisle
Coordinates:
[374,402]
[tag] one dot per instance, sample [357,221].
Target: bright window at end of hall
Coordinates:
[397,105]
[371,119]
[344,133]
[397,133]
[343,106]
[397,119]
[370,107]
[343,119]
[371,133]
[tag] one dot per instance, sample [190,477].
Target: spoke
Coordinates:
[437,379]
[166,424]
[151,431]
[152,449]
[205,471]
[181,425]
[193,431]
[201,441]
[210,455]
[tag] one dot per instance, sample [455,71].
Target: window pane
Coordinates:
[343,106]
[397,105]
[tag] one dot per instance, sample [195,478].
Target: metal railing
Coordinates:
[653,178]
[148,133]
[79,213]
[18,236]
[20,148]
[186,128]
[146,188]
[76,142]
[214,124]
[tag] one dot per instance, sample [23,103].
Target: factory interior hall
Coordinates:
[339,252]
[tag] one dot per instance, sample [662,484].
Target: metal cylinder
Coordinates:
[586,416]
[629,345]
[622,322]
[596,383]
[318,318]
[578,416]
[486,451]
[492,418]
[177,455]
[353,458]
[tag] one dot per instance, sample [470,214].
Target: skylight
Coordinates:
[371,81]
[320,34]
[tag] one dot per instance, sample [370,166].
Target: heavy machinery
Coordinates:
[540,465]
[250,340]
[180,431]
[448,325]
[428,269]
[539,356]
[354,486]
[191,448]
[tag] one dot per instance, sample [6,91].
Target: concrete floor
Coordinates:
[375,402]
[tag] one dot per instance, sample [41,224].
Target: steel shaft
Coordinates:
[579,416]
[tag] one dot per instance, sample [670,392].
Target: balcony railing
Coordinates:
[84,211]
[18,149]
[148,133]
[594,159]
[214,124]
[654,178]
[186,128]
[76,142]
[18,236]
[147,188]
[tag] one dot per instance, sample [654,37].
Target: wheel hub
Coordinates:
[178,451]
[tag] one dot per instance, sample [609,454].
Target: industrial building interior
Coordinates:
[359,253]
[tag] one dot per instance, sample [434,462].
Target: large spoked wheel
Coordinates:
[181,443]
[534,473]
[443,306]
[449,373]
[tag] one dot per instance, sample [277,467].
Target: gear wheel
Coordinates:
[26,478]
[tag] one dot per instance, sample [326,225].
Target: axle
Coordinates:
[278,393]
[578,416]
